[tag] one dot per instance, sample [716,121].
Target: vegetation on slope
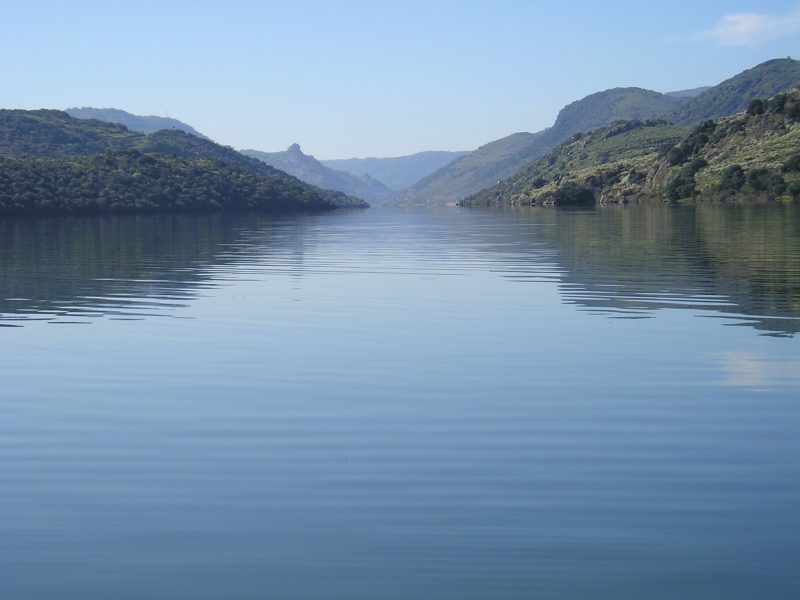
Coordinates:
[54,162]
[735,94]
[590,163]
[753,155]
[617,104]
[131,181]
[54,134]
[502,158]
[142,124]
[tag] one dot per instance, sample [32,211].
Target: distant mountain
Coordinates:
[753,154]
[149,124]
[397,172]
[735,94]
[309,169]
[689,93]
[52,162]
[502,158]
[482,167]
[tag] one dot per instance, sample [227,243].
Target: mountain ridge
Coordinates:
[397,172]
[492,162]
[307,168]
[754,154]
[140,123]
[504,157]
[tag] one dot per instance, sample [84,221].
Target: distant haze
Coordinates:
[396,172]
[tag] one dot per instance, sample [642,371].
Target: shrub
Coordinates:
[792,165]
[776,103]
[573,194]
[756,107]
[539,182]
[732,179]
[675,156]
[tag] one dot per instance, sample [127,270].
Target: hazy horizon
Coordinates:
[366,80]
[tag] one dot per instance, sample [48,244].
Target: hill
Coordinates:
[689,93]
[735,94]
[56,163]
[148,124]
[502,158]
[397,172]
[309,169]
[751,155]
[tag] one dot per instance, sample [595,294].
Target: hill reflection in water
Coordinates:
[736,262]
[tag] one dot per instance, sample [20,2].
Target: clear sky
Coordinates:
[373,78]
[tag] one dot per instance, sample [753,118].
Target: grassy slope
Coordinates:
[600,155]
[502,158]
[735,94]
[665,161]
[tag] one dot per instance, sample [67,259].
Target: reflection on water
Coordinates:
[749,370]
[444,404]
[618,262]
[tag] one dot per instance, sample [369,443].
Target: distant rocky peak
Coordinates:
[294,149]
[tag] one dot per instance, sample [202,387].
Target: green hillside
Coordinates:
[142,124]
[751,155]
[617,104]
[625,145]
[54,162]
[735,94]
[502,158]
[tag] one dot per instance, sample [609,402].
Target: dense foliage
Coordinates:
[148,124]
[131,181]
[52,162]
[54,134]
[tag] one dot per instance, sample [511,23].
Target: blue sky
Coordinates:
[373,78]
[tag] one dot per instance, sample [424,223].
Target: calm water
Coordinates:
[387,404]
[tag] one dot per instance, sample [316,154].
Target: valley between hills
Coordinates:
[735,141]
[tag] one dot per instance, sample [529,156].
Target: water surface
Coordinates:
[402,404]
